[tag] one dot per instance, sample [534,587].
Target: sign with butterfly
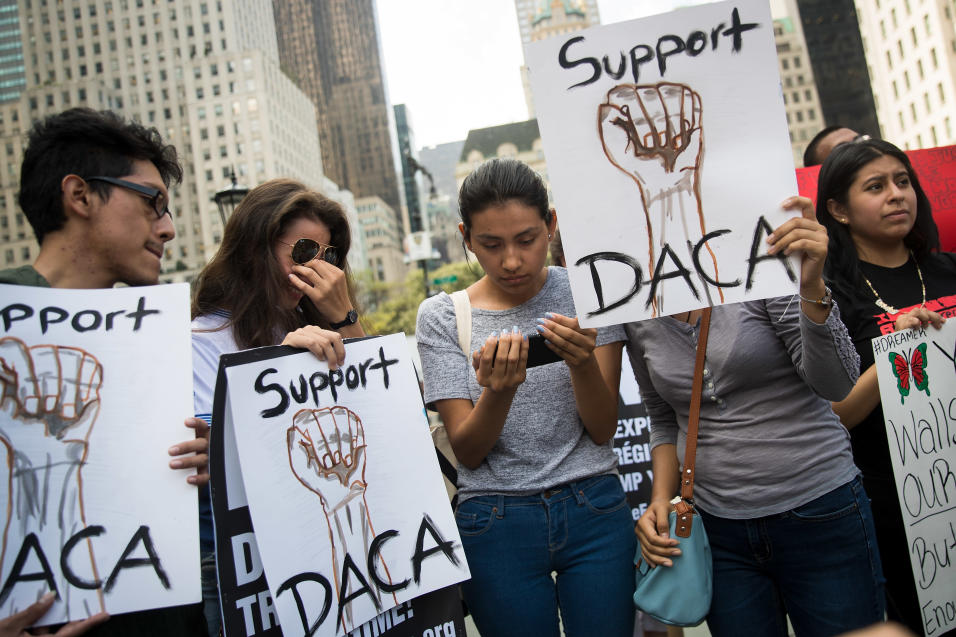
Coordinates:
[917,375]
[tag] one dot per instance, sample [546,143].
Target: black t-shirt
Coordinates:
[899,288]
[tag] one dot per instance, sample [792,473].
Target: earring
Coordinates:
[549,237]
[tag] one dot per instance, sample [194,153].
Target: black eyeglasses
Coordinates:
[153,195]
[304,250]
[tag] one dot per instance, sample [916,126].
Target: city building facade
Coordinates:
[911,52]
[385,256]
[204,73]
[331,48]
[541,19]
[832,34]
[804,117]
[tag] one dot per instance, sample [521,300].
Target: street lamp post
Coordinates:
[228,198]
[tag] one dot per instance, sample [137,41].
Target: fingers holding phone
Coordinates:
[501,362]
[566,338]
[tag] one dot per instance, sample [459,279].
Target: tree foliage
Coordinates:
[390,308]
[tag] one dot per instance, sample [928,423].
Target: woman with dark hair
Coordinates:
[887,274]
[538,487]
[281,275]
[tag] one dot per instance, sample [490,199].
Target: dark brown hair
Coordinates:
[244,278]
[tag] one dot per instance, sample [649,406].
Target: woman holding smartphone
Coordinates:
[538,487]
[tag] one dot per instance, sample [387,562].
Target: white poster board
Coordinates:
[343,486]
[917,375]
[96,385]
[668,155]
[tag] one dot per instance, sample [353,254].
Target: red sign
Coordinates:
[936,168]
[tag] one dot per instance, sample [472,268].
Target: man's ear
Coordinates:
[76,197]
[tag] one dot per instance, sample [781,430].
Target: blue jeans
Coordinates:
[582,531]
[210,594]
[817,563]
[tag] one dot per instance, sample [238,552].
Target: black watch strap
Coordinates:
[350,319]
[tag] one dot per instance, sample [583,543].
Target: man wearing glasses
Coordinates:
[95,190]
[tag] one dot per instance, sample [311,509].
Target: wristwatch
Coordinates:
[350,319]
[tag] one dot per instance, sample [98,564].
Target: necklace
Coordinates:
[886,307]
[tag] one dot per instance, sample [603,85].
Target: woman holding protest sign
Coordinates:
[781,501]
[538,488]
[280,276]
[886,271]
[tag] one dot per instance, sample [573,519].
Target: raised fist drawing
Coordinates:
[653,133]
[327,455]
[50,400]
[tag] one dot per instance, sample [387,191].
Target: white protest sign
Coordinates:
[96,384]
[917,376]
[343,486]
[668,155]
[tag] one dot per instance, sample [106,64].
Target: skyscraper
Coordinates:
[833,40]
[804,116]
[411,170]
[540,19]
[331,49]
[205,73]
[911,51]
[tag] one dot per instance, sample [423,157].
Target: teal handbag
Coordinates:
[680,595]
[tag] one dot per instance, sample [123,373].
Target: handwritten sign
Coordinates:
[917,376]
[936,169]
[336,473]
[668,154]
[95,389]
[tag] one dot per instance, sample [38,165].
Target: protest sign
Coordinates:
[96,385]
[632,443]
[668,156]
[916,370]
[329,504]
[936,170]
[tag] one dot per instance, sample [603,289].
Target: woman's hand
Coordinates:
[804,235]
[326,286]
[193,454]
[920,317]
[653,532]
[566,338]
[325,344]
[501,362]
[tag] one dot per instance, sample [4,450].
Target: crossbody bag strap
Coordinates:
[693,419]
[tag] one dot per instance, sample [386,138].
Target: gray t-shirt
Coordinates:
[768,440]
[543,442]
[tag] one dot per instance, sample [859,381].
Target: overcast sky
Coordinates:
[456,63]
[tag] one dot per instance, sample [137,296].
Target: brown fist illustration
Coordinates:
[653,133]
[327,454]
[50,399]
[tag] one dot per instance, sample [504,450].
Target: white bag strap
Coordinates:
[463,318]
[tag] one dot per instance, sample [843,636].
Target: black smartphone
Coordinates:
[539,353]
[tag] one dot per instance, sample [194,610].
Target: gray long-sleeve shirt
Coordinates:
[768,440]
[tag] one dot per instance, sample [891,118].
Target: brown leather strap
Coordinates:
[690,453]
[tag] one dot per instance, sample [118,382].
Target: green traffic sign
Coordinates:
[446,279]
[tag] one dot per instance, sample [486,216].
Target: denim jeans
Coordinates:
[818,563]
[582,531]
[210,594]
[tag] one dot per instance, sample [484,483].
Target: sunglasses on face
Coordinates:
[304,250]
[153,196]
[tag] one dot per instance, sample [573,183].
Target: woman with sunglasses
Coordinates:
[281,276]
[537,477]
[887,272]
